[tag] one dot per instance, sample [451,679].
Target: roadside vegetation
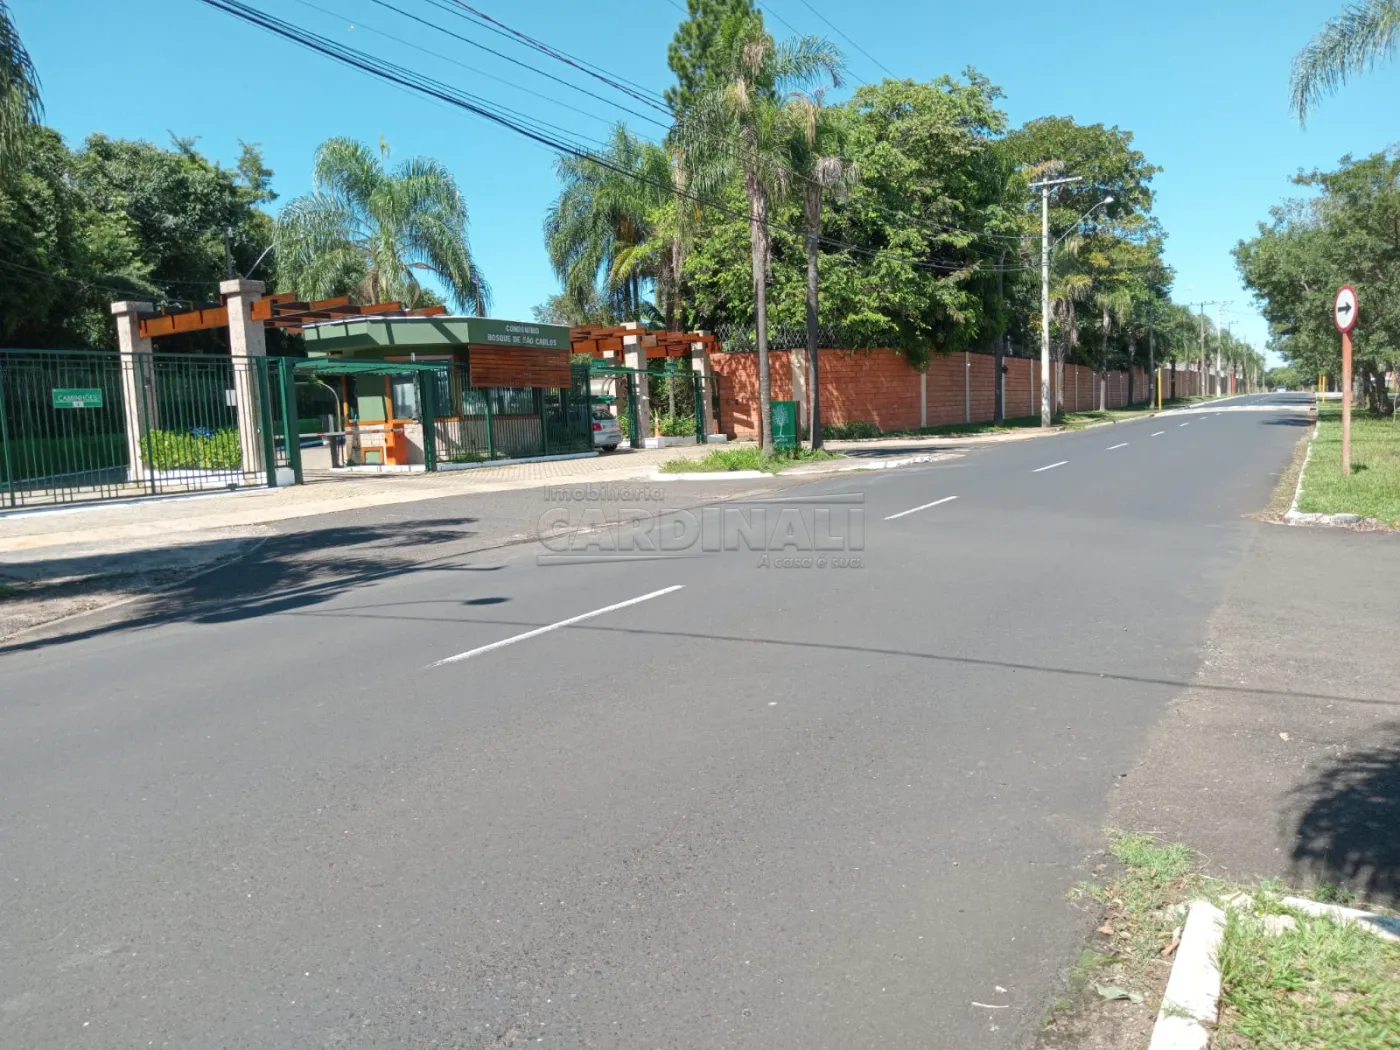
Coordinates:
[1316,984]
[862,431]
[1372,490]
[748,458]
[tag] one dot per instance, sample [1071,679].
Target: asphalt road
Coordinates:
[783,807]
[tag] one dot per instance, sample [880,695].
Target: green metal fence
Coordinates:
[89,425]
[479,424]
[676,396]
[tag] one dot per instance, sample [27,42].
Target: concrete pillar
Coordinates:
[798,360]
[700,365]
[247,342]
[923,399]
[635,354]
[138,381]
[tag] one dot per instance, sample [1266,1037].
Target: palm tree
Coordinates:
[19,89]
[817,160]
[1070,285]
[600,227]
[1114,304]
[737,127]
[368,231]
[1354,41]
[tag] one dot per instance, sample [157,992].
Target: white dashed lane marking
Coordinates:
[926,506]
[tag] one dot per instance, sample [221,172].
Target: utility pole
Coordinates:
[228,251]
[1152,350]
[1046,413]
[1203,350]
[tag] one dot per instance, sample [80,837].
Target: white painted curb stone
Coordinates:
[890,464]
[711,475]
[1194,985]
[1383,926]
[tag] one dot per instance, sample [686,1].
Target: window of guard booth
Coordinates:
[403,391]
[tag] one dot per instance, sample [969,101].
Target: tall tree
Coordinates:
[181,204]
[1365,33]
[368,231]
[1347,233]
[818,162]
[20,106]
[698,44]
[598,228]
[737,127]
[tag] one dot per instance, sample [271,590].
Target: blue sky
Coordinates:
[1202,85]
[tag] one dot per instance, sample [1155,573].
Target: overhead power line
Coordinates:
[836,29]
[469,68]
[635,91]
[535,130]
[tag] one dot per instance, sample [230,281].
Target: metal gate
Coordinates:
[79,426]
[677,398]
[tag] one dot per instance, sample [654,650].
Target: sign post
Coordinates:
[1344,314]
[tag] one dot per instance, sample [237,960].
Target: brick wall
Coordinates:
[880,387]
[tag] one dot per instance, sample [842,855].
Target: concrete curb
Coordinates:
[1192,998]
[1386,927]
[1297,517]
[885,464]
[711,475]
[1191,1003]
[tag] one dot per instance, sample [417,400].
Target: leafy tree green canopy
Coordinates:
[1349,233]
[120,219]
[698,43]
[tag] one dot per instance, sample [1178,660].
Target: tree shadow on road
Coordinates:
[284,573]
[1348,821]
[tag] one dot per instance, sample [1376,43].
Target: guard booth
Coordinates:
[433,393]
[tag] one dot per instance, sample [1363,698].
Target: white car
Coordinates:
[607,434]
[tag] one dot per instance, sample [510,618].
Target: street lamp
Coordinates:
[1046,414]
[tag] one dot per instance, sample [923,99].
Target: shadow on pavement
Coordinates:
[1348,822]
[285,573]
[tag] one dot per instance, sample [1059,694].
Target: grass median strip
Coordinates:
[723,460]
[1372,490]
[1288,980]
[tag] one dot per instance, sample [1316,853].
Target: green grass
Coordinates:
[1372,490]
[6,591]
[1158,863]
[1321,984]
[750,458]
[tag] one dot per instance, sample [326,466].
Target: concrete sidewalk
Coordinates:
[163,522]
[158,522]
[1283,758]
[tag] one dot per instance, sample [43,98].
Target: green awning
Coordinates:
[358,366]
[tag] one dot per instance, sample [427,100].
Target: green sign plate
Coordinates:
[784,424]
[488,331]
[77,397]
